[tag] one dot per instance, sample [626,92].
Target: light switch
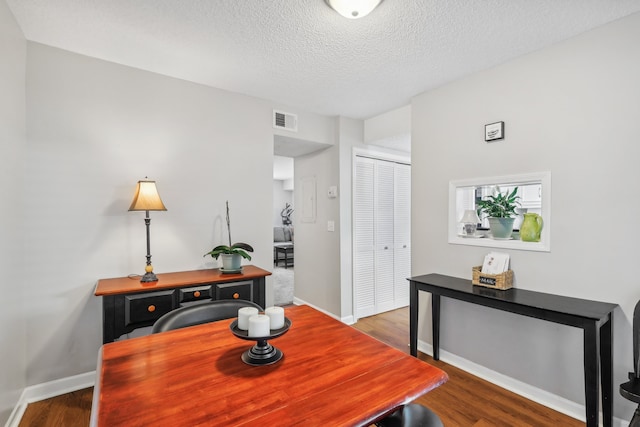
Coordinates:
[333,192]
[331,226]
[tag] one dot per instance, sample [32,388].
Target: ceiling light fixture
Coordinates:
[353,9]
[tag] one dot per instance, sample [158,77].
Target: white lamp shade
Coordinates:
[147,198]
[353,9]
[470,217]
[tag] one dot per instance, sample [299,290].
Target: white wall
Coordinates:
[94,129]
[350,134]
[317,251]
[389,125]
[12,148]
[572,109]
[324,258]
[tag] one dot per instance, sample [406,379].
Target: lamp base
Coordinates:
[149,277]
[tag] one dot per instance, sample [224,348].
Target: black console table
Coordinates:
[593,317]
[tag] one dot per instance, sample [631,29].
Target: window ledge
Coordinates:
[503,244]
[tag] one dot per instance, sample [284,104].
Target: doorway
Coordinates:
[286,149]
[283,231]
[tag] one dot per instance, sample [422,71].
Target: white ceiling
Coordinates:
[301,53]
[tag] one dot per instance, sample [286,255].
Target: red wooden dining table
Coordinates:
[330,375]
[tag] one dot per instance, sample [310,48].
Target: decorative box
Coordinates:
[500,281]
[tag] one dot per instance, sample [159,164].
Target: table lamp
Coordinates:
[147,199]
[470,220]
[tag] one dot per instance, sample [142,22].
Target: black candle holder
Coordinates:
[262,353]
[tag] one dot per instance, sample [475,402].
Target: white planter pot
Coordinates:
[231,261]
[501,228]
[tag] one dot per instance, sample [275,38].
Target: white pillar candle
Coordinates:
[276,315]
[258,326]
[243,317]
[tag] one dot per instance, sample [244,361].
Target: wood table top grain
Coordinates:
[331,374]
[124,285]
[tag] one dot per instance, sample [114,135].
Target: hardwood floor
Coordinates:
[67,410]
[464,401]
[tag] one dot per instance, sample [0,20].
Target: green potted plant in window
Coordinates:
[500,210]
[233,253]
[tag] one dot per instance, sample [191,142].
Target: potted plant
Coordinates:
[231,255]
[500,210]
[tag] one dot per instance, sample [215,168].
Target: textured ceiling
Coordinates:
[302,54]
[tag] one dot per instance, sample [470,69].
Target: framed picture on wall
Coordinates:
[494,131]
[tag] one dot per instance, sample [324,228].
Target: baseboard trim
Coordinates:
[38,392]
[550,400]
[349,320]
[298,301]
[16,414]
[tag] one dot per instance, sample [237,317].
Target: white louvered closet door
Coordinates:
[402,234]
[363,238]
[384,241]
[382,233]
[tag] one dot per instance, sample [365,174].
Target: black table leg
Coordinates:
[288,258]
[435,325]
[108,319]
[591,373]
[413,319]
[606,379]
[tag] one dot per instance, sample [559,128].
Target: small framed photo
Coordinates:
[494,131]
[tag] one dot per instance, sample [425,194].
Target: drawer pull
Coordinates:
[236,295]
[151,308]
[196,294]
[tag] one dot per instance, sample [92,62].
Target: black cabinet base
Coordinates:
[124,313]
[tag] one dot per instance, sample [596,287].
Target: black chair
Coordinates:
[200,313]
[411,415]
[631,389]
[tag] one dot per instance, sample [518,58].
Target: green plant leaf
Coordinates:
[242,253]
[245,246]
[221,249]
[500,205]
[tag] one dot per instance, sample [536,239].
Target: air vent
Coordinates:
[286,121]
